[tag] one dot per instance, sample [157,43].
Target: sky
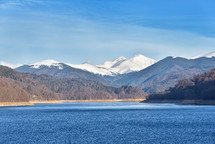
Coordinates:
[76,31]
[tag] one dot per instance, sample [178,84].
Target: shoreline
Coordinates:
[14,104]
[31,103]
[184,102]
[102,100]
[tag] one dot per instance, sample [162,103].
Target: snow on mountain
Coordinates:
[48,63]
[136,63]
[208,55]
[9,65]
[86,67]
[120,65]
[109,64]
[92,68]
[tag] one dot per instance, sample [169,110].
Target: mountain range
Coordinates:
[139,71]
[119,66]
[116,67]
[166,73]
[120,79]
[59,70]
[199,89]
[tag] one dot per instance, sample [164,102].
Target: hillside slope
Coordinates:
[44,87]
[36,91]
[166,73]
[199,87]
[9,93]
[60,70]
[78,89]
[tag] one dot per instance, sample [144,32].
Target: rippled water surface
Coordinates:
[120,123]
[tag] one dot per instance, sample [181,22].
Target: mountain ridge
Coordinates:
[61,70]
[166,73]
[208,55]
[198,89]
[118,66]
[155,78]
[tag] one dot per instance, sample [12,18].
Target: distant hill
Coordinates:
[60,70]
[139,71]
[199,87]
[166,73]
[44,87]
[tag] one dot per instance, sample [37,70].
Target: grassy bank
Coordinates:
[46,102]
[103,100]
[87,101]
[10,104]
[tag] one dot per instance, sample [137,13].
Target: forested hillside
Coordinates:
[45,87]
[12,94]
[35,90]
[199,87]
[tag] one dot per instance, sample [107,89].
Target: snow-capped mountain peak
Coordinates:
[140,59]
[109,64]
[120,59]
[136,63]
[47,63]
[208,55]
[120,65]
[92,68]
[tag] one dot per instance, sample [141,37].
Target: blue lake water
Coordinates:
[123,122]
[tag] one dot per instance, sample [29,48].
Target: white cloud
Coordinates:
[43,36]
[7,4]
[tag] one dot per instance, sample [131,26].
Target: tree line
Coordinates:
[199,87]
[25,86]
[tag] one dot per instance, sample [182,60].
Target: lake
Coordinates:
[119,122]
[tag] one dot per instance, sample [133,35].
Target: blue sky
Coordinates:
[75,31]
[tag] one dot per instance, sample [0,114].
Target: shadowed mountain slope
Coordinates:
[166,73]
[64,71]
[199,87]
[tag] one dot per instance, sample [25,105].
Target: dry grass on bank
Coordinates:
[30,103]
